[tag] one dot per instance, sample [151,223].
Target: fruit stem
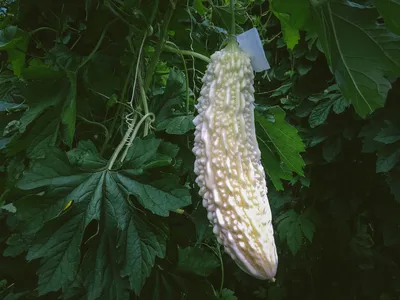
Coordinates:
[233,24]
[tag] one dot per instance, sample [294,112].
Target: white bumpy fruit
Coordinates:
[228,164]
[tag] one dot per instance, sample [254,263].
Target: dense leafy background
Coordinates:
[79,222]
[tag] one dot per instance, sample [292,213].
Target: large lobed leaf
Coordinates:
[96,203]
[361,52]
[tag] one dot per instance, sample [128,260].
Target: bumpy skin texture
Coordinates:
[228,164]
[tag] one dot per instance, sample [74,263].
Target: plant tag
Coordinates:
[250,42]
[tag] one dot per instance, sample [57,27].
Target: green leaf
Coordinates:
[393,181]
[156,200]
[68,116]
[283,138]
[142,151]
[100,270]
[15,42]
[58,246]
[289,230]
[293,15]
[197,261]
[292,227]
[340,105]
[369,133]
[174,95]
[272,165]
[221,17]
[42,96]
[38,70]
[226,294]
[278,199]
[100,75]
[200,8]
[85,156]
[331,149]
[41,135]
[99,197]
[177,125]
[17,244]
[388,157]
[360,52]
[389,10]
[390,134]
[168,285]
[320,113]
[291,34]
[141,243]
[33,211]
[203,228]
[307,227]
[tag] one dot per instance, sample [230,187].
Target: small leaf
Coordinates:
[393,181]
[331,149]
[390,134]
[291,34]
[176,125]
[369,133]
[293,15]
[283,138]
[292,227]
[273,166]
[69,112]
[320,113]
[388,157]
[389,10]
[17,244]
[156,200]
[294,239]
[340,105]
[174,95]
[226,294]
[198,261]
[15,42]
[142,151]
[200,8]
[307,227]
[289,230]
[85,156]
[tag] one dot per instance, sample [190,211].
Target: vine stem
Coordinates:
[134,133]
[144,103]
[120,107]
[222,269]
[137,68]
[96,48]
[187,52]
[121,144]
[163,37]
[233,24]
[43,28]
[106,133]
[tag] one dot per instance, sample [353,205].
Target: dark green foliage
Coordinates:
[78,221]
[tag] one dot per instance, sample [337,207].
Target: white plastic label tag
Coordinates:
[250,42]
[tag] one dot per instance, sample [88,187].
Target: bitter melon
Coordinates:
[228,165]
